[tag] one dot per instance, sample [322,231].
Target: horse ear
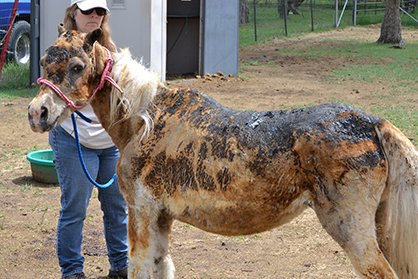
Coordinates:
[101,57]
[93,36]
[61,29]
[42,61]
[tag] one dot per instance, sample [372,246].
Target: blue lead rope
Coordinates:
[77,141]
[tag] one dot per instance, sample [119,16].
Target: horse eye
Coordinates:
[77,68]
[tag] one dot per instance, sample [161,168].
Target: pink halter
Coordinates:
[105,77]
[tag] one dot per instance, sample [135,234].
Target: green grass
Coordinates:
[375,63]
[14,76]
[14,82]
[19,93]
[367,19]
[404,116]
[270,25]
[381,62]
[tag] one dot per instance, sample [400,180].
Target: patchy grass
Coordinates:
[14,82]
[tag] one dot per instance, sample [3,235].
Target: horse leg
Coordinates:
[149,232]
[350,220]
[140,244]
[163,265]
[381,227]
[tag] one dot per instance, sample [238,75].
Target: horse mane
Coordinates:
[139,84]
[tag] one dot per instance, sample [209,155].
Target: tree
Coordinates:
[244,12]
[390,32]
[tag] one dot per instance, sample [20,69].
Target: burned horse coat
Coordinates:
[198,145]
[186,157]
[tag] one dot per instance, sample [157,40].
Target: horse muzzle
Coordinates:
[44,114]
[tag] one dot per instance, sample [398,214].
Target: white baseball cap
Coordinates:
[86,5]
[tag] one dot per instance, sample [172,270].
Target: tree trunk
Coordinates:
[390,33]
[244,12]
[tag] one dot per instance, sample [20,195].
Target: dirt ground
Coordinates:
[268,80]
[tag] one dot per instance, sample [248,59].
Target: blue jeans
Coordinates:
[76,191]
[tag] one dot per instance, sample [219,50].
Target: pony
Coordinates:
[185,157]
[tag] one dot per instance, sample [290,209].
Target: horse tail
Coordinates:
[397,215]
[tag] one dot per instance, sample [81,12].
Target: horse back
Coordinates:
[210,165]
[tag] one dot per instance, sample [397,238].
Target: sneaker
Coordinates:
[118,274]
[76,276]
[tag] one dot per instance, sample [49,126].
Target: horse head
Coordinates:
[72,66]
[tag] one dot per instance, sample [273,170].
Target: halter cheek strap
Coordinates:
[105,77]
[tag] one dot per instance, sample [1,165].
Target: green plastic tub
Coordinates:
[43,166]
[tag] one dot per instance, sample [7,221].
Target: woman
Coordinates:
[100,156]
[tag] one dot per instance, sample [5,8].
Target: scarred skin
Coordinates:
[235,172]
[242,157]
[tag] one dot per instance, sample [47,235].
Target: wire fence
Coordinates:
[266,18]
[5,12]
[7,15]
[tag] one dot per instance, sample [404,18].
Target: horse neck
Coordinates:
[101,104]
[126,114]
[120,125]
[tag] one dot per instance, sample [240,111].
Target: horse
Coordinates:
[184,156]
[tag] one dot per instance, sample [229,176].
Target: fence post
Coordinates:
[312,21]
[255,20]
[285,16]
[342,13]
[35,70]
[336,13]
[355,13]
[7,38]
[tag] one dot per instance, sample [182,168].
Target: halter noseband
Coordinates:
[105,77]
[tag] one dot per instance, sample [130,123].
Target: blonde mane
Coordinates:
[140,86]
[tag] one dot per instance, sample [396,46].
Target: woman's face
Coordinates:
[87,23]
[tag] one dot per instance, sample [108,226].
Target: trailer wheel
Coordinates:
[18,49]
